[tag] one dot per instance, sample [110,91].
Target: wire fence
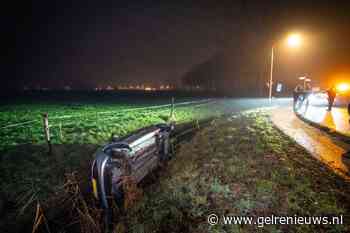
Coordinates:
[23,124]
[95,127]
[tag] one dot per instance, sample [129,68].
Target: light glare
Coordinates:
[294,40]
[343,87]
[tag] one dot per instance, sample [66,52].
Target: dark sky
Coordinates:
[90,43]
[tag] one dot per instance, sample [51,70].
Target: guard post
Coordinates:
[47,131]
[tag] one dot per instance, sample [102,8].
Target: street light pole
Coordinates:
[293,40]
[271,74]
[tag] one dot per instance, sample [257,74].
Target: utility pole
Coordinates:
[271,74]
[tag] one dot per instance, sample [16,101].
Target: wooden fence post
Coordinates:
[61,134]
[47,131]
[197,124]
[171,118]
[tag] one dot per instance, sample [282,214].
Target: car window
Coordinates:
[143,144]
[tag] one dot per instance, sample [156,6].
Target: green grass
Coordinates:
[88,123]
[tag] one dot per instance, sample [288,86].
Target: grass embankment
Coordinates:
[240,166]
[29,176]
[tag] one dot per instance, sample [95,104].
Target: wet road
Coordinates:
[328,150]
[241,104]
[315,110]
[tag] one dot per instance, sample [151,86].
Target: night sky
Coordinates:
[90,43]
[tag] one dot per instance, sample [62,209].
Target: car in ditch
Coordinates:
[134,155]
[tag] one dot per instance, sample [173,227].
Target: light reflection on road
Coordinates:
[315,141]
[315,110]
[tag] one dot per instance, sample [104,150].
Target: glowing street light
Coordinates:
[293,41]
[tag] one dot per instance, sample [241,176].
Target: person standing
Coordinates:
[307,91]
[296,93]
[331,92]
[308,87]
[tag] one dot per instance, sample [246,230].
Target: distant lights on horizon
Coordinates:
[136,87]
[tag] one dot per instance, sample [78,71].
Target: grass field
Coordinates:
[92,123]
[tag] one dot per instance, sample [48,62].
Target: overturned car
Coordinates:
[134,155]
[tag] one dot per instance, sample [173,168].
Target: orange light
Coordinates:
[343,87]
[294,40]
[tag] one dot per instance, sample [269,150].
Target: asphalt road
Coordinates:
[241,104]
[315,110]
